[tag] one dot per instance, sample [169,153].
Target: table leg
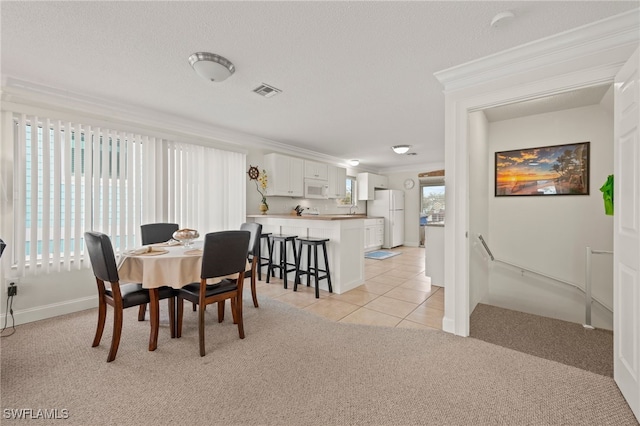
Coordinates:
[154,313]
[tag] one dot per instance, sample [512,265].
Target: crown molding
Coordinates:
[20,92]
[414,168]
[611,33]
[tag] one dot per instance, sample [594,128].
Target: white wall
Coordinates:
[479,207]
[549,234]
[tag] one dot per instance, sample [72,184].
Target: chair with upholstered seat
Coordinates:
[153,233]
[224,255]
[119,296]
[253,255]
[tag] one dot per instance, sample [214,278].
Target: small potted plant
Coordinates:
[261,181]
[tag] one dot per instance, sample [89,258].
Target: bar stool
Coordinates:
[262,260]
[312,267]
[282,264]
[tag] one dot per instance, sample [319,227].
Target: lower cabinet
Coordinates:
[373,234]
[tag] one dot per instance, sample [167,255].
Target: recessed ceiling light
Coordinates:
[401,149]
[354,162]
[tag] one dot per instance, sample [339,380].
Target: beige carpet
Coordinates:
[561,341]
[293,368]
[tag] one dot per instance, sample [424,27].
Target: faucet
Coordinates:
[350,212]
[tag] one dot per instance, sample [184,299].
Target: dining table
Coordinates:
[170,264]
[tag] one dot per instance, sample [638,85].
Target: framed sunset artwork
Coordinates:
[547,170]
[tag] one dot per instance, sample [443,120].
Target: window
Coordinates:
[71,177]
[432,209]
[350,199]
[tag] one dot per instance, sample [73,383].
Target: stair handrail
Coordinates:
[589,298]
[486,247]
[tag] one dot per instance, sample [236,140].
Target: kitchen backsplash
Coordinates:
[284,205]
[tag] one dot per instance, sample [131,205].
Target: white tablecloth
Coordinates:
[176,268]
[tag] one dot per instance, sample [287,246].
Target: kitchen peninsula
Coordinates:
[345,248]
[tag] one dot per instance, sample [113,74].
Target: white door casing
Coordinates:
[626,230]
[588,56]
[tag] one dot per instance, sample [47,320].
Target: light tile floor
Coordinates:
[396,293]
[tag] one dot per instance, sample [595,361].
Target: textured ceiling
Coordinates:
[357,77]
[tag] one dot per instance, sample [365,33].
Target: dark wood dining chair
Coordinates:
[253,255]
[119,296]
[224,254]
[153,233]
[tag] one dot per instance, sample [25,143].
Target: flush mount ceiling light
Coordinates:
[354,162]
[211,67]
[401,149]
[495,22]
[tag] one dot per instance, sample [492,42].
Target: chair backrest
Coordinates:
[256,230]
[153,233]
[103,261]
[224,253]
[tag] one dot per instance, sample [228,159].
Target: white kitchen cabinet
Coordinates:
[285,175]
[337,181]
[315,170]
[373,234]
[368,183]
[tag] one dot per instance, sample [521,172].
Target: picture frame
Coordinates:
[542,171]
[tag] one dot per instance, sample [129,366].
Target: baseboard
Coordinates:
[448,325]
[25,316]
[411,243]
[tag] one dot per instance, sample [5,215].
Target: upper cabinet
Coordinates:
[285,175]
[315,170]
[368,183]
[337,181]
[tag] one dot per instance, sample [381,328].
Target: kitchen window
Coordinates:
[432,204]
[349,200]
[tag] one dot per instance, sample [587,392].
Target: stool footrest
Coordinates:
[282,264]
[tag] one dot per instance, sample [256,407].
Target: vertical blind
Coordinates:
[205,187]
[70,178]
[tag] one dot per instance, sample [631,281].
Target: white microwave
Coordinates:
[314,188]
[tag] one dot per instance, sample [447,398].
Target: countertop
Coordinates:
[315,217]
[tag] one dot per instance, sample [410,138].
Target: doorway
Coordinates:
[432,205]
[535,270]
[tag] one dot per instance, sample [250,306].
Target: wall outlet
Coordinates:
[12,290]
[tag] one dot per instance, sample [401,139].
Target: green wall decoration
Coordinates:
[607,194]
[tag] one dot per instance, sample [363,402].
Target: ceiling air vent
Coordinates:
[266,90]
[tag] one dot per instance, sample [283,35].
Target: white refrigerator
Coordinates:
[389,204]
